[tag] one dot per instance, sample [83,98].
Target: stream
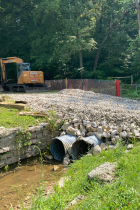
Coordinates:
[19,186]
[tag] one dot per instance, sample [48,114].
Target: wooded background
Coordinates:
[75,39]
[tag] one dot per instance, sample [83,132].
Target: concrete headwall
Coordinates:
[16,144]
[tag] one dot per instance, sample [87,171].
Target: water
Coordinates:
[22,184]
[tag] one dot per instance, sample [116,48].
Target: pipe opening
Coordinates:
[80,148]
[57,149]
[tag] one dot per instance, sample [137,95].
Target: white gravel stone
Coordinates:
[49,157]
[124,134]
[136,133]
[66,161]
[105,135]
[113,133]
[65,126]
[78,133]
[99,129]
[85,122]
[90,133]
[59,115]
[98,135]
[94,124]
[83,134]
[77,199]
[103,123]
[71,131]
[96,150]
[82,128]
[114,140]
[75,120]
[79,138]
[111,146]
[108,142]
[129,146]
[63,180]
[103,146]
[63,133]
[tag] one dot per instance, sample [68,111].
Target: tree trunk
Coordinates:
[108,33]
[110,26]
[138,15]
[80,58]
[138,19]
[80,54]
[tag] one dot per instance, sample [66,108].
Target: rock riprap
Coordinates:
[87,113]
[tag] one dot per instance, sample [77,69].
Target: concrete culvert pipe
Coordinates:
[59,146]
[81,147]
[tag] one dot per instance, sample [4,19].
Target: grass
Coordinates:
[7,98]
[123,193]
[9,118]
[131,93]
[49,92]
[54,91]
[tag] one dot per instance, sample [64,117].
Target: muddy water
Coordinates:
[19,186]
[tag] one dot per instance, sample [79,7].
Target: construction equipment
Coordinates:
[25,77]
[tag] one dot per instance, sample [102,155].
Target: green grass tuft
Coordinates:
[123,193]
[9,118]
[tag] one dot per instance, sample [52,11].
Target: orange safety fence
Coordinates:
[97,86]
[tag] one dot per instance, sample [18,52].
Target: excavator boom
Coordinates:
[4,61]
[25,77]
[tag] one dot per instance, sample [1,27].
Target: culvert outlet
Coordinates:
[81,147]
[59,146]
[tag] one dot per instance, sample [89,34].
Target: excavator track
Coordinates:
[24,89]
[36,89]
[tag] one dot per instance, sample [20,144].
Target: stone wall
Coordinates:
[12,139]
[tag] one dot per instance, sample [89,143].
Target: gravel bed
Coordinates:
[85,107]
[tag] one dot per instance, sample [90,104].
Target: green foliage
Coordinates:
[122,193]
[68,30]
[53,123]
[134,139]
[22,139]
[47,152]
[98,74]
[50,34]
[131,93]
[41,156]
[6,168]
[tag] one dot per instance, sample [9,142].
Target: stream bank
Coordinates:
[19,187]
[17,144]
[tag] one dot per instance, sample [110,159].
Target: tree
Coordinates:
[16,22]
[138,15]
[61,37]
[63,30]
[118,18]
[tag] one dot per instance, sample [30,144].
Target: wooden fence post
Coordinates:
[66,82]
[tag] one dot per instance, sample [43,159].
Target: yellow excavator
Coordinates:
[25,77]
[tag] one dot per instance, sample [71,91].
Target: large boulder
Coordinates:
[104,172]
